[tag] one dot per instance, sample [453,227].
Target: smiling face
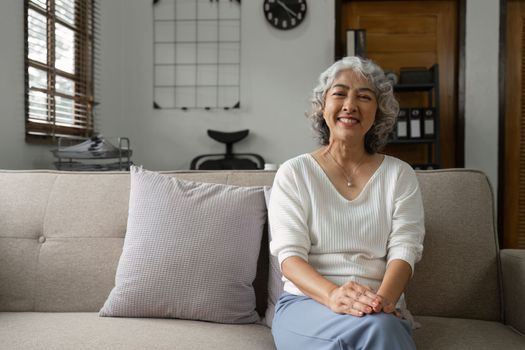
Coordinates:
[350,107]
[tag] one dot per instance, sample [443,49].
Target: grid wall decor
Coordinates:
[197,49]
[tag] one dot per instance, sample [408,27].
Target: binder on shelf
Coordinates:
[356,42]
[402,124]
[429,122]
[418,125]
[415,123]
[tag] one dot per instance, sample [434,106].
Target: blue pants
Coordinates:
[302,323]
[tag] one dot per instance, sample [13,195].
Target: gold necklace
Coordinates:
[348,178]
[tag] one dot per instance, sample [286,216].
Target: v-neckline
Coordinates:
[334,188]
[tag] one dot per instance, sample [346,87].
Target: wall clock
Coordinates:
[284,14]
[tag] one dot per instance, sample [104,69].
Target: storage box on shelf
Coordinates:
[93,154]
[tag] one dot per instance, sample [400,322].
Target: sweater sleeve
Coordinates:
[288,225]
[408,228]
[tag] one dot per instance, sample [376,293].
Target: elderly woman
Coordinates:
[347,222]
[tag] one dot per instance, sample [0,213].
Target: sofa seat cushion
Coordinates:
[455,333]
[33,330]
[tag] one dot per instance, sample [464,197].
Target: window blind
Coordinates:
[60,64]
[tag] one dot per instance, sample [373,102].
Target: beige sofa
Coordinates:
[61,235]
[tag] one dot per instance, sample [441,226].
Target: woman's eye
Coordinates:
[365,97]
[338,93]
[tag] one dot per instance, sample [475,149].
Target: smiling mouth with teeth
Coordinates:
[348,120]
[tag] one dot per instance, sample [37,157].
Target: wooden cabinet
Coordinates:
[403,34]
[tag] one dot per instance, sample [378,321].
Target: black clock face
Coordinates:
[284,14]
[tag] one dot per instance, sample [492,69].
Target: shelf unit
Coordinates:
[433,159]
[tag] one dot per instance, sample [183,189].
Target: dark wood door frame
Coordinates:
[501,116]
[460,113]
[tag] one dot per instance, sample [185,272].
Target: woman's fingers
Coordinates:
[377,304]
[356,309]
[358,288]
[353,307]
[358,300]
[367,298]
[384,304]
[389,308]
[362,307]
[342,304]
[361,294]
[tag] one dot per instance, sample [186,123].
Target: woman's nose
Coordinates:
[349,104]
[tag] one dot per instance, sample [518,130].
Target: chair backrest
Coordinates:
[226,164]
[228,160]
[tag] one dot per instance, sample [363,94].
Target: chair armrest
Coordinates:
[513,271]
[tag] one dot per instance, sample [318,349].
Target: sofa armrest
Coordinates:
[513,271]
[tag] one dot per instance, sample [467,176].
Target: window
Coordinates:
[59,68]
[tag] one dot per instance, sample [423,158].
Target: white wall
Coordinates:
[481,86]
[14,152]
[279,70]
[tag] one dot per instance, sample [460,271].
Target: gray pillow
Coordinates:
[190,251]
[275,283]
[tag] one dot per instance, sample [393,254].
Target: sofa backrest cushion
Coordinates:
[60,239]
[458,274]
[61,236]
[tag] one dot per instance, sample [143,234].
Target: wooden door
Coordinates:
[512,215]
[413,34]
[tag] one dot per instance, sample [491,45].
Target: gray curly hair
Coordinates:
[387,105]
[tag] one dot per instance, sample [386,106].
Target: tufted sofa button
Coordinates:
[41,239]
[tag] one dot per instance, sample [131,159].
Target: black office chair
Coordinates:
[228,160]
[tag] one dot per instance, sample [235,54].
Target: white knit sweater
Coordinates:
[346,240]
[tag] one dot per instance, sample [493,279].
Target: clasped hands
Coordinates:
[359,300]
